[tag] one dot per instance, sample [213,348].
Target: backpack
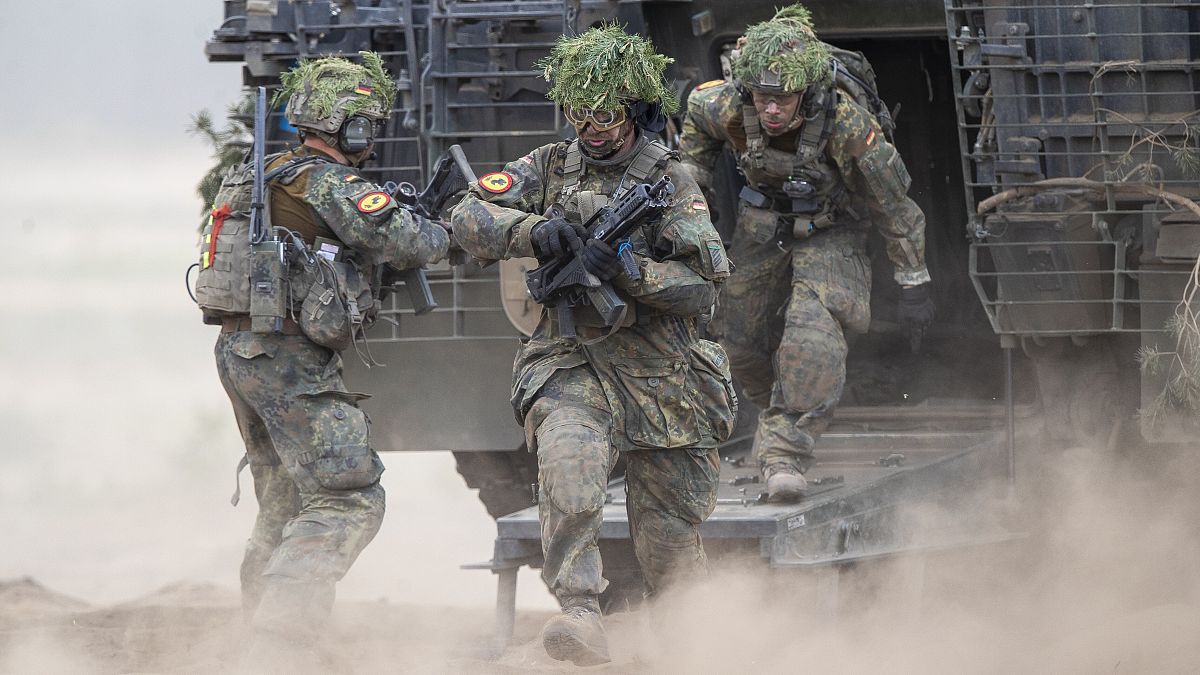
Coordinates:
[854,75]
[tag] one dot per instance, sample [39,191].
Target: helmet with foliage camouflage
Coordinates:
[782,54]
[323,93]
[606,68]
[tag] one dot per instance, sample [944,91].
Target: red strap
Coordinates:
[218,216]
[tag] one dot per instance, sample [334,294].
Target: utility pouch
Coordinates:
[806,226]
[657,409]
[268,294]
[336,304]
[713,389]
[761,224]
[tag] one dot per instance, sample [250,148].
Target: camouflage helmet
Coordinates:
[323,93]
[782,54]
[606,68]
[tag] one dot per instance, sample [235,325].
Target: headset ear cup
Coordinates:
[356,135]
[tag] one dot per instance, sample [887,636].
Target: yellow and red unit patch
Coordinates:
[870,138]
[373,201]
[709,85]
[363,90]
[496,182]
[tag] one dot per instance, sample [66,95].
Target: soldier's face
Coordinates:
[604,144]
[776,111]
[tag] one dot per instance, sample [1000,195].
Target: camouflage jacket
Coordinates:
[649,366]
[856,161]
[331,200]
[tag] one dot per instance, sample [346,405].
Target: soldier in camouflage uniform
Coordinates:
[819,172]
[307,442]
[652,389]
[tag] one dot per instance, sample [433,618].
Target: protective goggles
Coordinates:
[779,98]
[601,120]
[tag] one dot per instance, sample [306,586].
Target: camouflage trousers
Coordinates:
[782,319]
[315,476]
[669,492]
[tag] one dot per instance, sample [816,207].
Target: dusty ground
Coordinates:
[1105,581]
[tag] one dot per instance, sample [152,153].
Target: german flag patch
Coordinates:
[363,90]
[373,202]
[870,138]
[496,182]
[709,85]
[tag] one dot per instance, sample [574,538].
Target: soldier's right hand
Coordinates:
[555,237]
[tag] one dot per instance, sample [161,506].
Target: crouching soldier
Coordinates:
[819,173]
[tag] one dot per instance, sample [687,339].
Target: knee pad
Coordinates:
[574,458]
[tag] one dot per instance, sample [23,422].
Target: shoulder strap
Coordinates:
[814,135]
[290,166]
[754,139]
[650,160]
[572,170]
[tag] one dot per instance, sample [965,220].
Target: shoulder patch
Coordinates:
[373,201]
[351,177]
[710,84]
[496,182]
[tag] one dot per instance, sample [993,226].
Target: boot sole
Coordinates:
[564,647]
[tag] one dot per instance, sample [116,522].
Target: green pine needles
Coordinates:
[605,68]
[332,76]
[1181,366]
[787,46]
[229,144]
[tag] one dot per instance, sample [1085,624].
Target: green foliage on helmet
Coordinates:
[782,53]
[606,68]
[323,93]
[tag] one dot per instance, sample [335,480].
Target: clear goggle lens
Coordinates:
[601,120]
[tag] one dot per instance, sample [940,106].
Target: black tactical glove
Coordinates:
[601,260]
[554,238]
[915,309]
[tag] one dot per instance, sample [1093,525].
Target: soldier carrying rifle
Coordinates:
[616,364]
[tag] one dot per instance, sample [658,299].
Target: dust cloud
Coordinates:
[1105,580]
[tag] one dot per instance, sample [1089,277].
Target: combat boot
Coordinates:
[576,635]
[785,483]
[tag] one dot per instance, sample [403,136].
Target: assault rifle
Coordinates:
[451,175]
[564,283]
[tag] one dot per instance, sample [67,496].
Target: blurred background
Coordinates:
[117,443]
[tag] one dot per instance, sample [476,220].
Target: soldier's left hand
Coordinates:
[916,310]
[601,260]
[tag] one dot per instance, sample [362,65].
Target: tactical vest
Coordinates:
[580,205]
[649,163]
[223,282]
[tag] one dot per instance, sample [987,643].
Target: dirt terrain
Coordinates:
[1105,581]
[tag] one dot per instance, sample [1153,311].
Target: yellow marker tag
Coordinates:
[373,201]
[496,182]
[204,261]
[709,85]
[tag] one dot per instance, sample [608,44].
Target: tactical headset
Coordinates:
[356,135]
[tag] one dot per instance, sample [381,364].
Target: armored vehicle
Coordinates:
[1052,146]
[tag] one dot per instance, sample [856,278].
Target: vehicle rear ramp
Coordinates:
[886,481]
